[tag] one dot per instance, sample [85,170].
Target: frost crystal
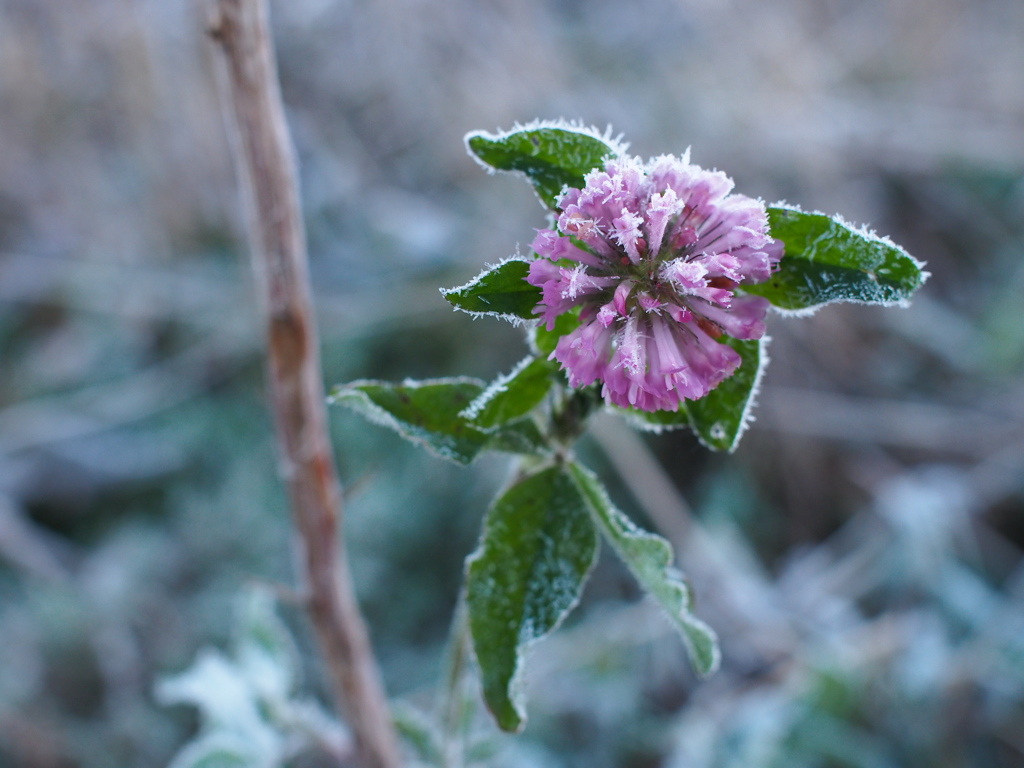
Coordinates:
[653,254]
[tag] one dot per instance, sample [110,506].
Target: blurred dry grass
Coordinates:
[133,446]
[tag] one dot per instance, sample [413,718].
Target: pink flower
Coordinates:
[653,255]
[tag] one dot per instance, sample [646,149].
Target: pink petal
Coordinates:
[743,320]
[662,207]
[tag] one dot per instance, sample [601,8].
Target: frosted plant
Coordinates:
[646,294]
[658,251]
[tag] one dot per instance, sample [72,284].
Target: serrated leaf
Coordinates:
[426,412]
[429,413]
[500,291]
[721,416]
[513,395]
[826,260]
[538,547]
[551,157]
[649,559]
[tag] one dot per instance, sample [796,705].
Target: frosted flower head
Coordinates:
[653,254]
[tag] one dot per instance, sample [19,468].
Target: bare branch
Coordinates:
[266,168]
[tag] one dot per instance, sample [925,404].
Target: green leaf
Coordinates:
[263,646]
[826,260]
[519,436]
[426,412]
[220,749]
[513,395]
[418,733]
[721,416]
[257,625]
[649,559]
[551,156]
[538,547]
[545,340]
[500,291]
[430,413]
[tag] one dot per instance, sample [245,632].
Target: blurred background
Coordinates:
[860,554]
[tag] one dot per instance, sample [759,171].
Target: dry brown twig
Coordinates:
[266,167]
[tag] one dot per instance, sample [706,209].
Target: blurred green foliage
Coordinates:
[869,525]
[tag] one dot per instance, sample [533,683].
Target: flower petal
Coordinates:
[743,320]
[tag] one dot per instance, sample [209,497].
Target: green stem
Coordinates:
[570,414]
[453,705]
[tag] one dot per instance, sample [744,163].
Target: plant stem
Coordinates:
[570,413]
[266,168]
[453,704]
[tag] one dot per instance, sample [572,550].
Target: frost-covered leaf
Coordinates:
[228,702]
[248,714]
[307,722]
[649,559]
[263,645]
[545,341]
[419,734]
[826,260]
[500,291]
[429,413]
[654,421]
[517,436]
[513,395]
[217,686]
[222,750]
[721,416]
[550,155]
[426,412]
[538,546]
